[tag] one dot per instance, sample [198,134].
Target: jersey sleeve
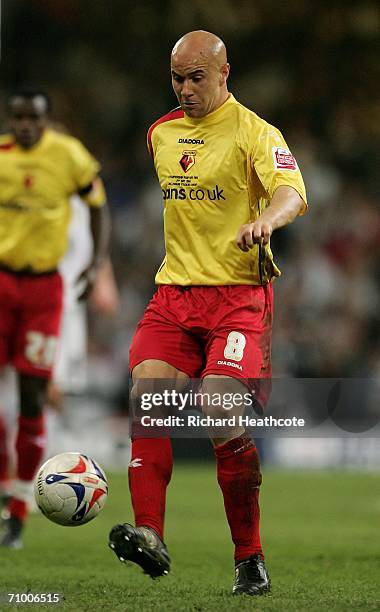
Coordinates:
[85,174]
[275,165]
[84,166]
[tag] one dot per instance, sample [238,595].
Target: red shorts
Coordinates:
[30,314]
[208,330]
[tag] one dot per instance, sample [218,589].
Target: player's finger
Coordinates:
[240,239]
[258,235]
[248,237]
[266,234]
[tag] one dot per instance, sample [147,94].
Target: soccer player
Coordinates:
[228,181]
[40,169]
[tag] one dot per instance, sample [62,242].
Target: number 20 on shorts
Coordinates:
[40,349]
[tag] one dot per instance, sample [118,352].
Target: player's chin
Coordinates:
[193,110]
[27,140]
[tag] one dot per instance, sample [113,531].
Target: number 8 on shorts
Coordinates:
[234,348]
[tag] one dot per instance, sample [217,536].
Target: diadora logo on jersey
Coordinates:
[199,194]
[137,462]
[187,160]
[283,159]
[190,141]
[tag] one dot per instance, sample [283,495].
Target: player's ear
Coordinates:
[224,72]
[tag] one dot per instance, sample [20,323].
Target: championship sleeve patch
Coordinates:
[283,159]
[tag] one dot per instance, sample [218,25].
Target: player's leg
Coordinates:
[237,357]
[30,446]
[239,477]
[162,355]
[33,358]
[149,474]
[151,463]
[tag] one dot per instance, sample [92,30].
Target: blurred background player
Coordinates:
[211,317]
[40,169]
[70,372]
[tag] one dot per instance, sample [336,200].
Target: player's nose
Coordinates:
[186,89]
[25,123]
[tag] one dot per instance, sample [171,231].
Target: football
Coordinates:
[70,489]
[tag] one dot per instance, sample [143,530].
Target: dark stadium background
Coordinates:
[310,68]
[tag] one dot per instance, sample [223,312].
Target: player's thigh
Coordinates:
[240,346]
[162,356]
[162,349]
[156,368]
[39,325]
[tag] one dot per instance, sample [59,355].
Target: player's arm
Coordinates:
[105,297]
[94,196]
[285,206]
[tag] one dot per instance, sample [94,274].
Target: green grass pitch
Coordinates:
[320,532]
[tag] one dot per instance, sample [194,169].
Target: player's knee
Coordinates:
[32,395]
[223,397]
[156,393]
[221,406]
[141,388]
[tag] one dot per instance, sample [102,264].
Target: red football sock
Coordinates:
[149,474]
[239,477]
[3,452]
[30,446]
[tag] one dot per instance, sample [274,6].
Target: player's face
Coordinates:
[199,87]
[27,120]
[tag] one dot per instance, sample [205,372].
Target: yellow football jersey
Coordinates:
[217,173]
[35,187]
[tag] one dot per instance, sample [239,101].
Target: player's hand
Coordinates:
[85,282]
[105,298]
[249,234]
[54,396]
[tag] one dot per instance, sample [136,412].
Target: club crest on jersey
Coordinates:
[283,159]
[187,160]
[28,181]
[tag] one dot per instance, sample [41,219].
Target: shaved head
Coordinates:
[199,72]
[200,45]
